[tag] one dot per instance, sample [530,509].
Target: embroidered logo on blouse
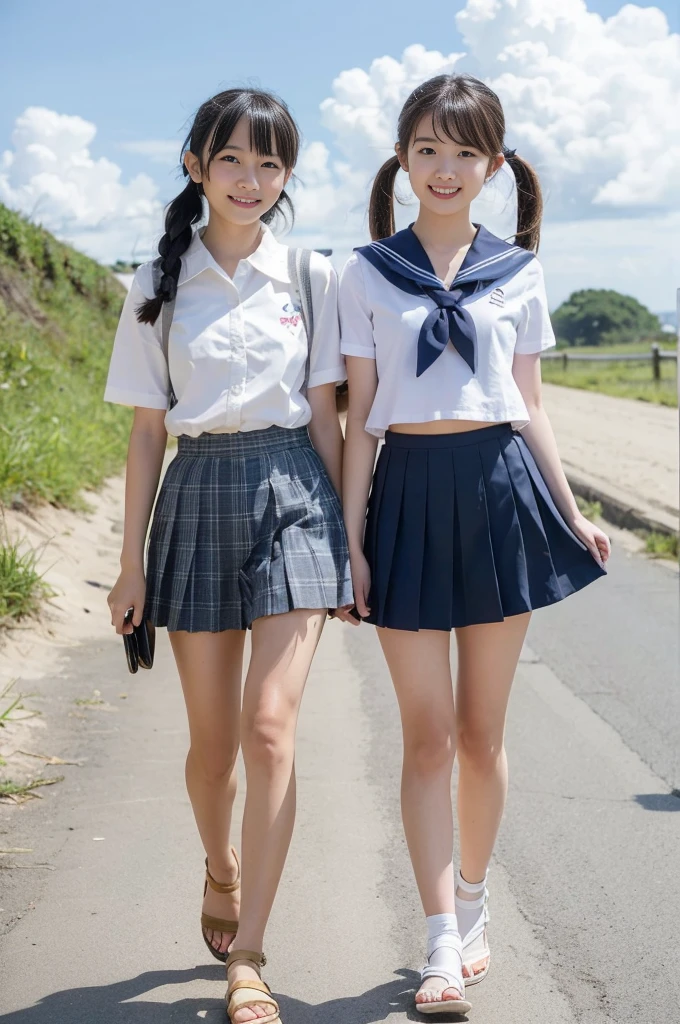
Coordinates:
[497,297]
[292,317]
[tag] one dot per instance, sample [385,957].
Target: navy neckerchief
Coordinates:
[402,260]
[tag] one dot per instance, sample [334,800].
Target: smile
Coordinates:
[244,202]
[443,193]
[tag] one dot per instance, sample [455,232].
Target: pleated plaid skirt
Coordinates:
[462,530]
[246,525]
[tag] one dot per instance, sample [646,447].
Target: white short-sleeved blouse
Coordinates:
[237,347]
[380,321]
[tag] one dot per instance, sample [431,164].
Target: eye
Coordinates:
[426,150]
[466,152]
[229,157]
[270,163]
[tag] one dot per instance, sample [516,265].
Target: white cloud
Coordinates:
[591,102]
[51,177]
[159,151]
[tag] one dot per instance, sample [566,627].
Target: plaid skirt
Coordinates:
[246,525]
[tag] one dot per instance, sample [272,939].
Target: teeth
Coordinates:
[444,191]
[245,202]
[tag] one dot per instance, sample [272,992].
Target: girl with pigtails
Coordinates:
[230,343]
[470,524]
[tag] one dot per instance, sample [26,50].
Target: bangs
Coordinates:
[460,119]
[272,130]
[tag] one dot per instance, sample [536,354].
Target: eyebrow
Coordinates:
[242,150]
[425,138]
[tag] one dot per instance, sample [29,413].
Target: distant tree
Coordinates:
[603,317]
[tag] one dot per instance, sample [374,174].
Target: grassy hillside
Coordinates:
[58,314]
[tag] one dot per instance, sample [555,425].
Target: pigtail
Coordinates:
[381,207]
[185,210]
[529,202]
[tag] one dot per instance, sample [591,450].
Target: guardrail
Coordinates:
[655,356]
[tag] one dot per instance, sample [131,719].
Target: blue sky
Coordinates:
[137,70]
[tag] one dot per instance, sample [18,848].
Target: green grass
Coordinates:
[24,789]
[58,314]
[22,586]
[590,509]
[623,380]
[662,545]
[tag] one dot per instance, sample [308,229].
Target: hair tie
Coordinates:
[509,153]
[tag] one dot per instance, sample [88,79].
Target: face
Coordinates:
[240,185]
[445,175]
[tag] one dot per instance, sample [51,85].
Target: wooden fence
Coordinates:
[655,356]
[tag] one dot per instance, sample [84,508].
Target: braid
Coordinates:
[185,210]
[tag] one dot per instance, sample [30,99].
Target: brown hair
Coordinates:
[213,126]
[466,111]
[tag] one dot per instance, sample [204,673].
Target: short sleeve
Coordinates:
[535,332]
[356,319]
[326,365]
[138,371]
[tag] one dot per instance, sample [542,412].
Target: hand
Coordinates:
[594,539]
[343,614]
[361,581]
[129,591]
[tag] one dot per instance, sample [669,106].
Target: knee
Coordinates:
[479,749]
[429,750]
[267,742]
[213,762]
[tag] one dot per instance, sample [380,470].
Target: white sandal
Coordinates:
[475,942]
[452,975]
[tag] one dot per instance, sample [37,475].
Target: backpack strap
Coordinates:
[299,261]
[167,313]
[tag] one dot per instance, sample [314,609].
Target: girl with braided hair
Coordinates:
[471,524]
[230,342]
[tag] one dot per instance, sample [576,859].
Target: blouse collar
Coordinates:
[270,258]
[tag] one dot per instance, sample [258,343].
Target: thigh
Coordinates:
[487,660]
[420,666]
[210,667]
[283,647]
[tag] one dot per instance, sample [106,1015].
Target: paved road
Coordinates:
[585,886]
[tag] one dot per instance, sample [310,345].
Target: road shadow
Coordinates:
[111,1004]
[659,801]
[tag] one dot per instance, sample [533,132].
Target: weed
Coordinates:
[22,586]
[590,509]
[15,790]
[662,545]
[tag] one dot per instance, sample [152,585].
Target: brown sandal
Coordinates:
[218,924]
[244,995]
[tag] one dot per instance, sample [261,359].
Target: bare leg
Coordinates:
[283,648]
[210,667]
[487,660]
[421,672]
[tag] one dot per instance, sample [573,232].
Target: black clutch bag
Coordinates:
[139,644]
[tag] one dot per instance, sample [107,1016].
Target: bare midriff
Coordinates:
[439,427]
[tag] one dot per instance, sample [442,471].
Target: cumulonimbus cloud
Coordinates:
[591,102]
[51,176]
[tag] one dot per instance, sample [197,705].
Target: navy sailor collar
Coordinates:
[402,260]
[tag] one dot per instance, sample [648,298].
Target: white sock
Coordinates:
[468,915]
[440,924]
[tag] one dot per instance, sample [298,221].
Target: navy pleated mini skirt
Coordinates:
[462,530]
[246,525]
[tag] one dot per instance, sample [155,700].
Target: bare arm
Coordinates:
[325,432]
[146,449]
[541,442]
[357,470]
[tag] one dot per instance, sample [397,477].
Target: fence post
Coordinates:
[565,360]
[656,362]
